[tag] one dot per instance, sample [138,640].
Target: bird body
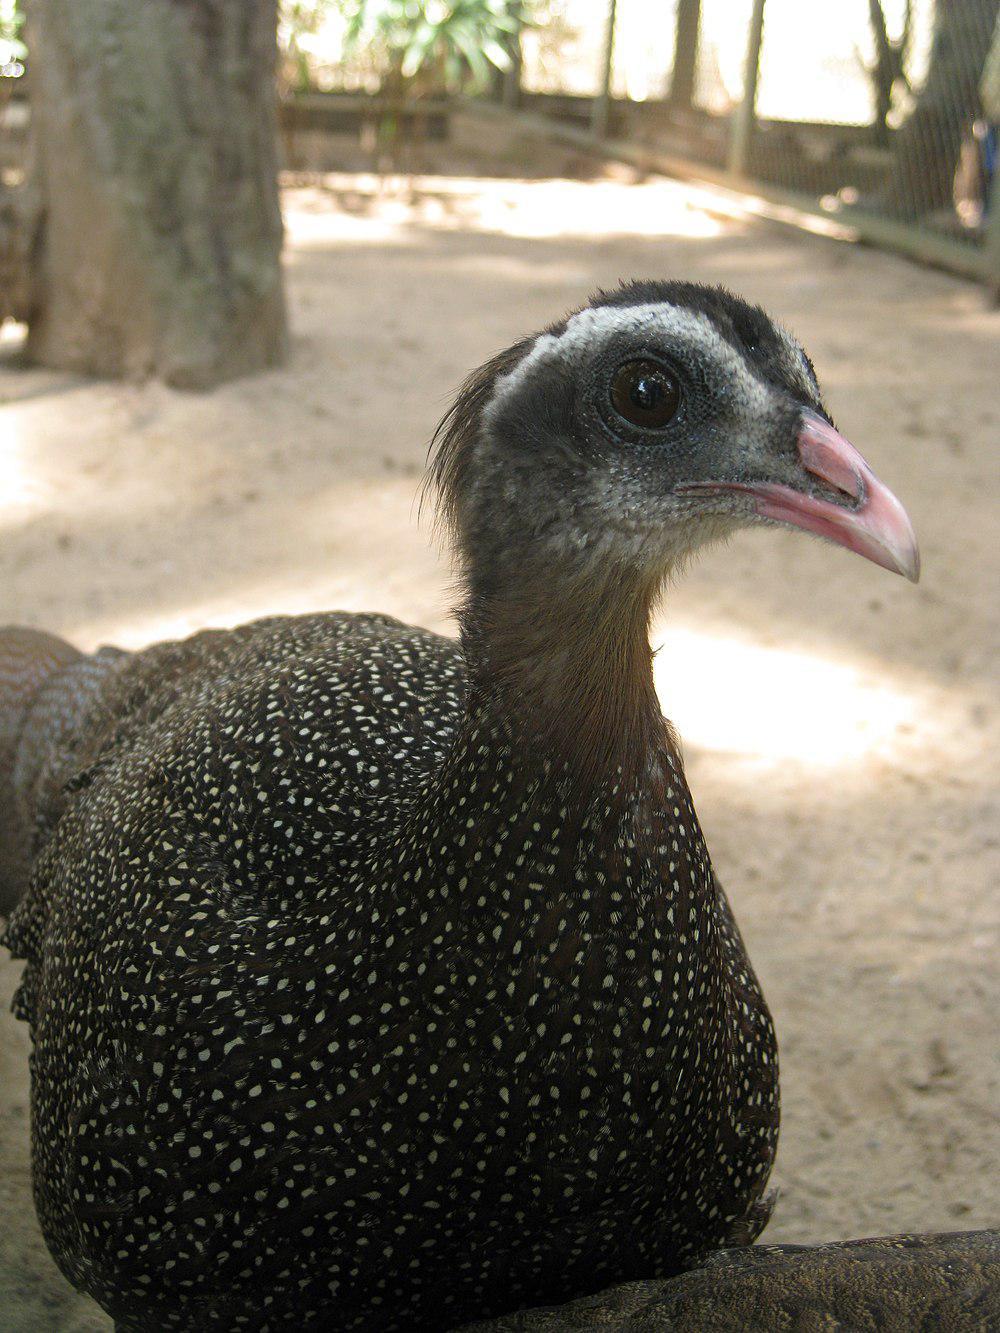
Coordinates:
[379,980]
[525,1074]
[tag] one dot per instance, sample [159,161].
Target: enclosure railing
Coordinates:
[882,115]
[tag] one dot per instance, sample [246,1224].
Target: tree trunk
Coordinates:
[155,130]
[888,68]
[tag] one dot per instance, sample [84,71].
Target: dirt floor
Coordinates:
[841,725]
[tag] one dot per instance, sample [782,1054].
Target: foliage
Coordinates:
[442,46]
[11,21]
[299,20]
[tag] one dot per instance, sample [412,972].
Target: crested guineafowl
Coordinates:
[378,980]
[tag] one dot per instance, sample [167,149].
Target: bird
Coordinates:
[380,980]
[948,1281]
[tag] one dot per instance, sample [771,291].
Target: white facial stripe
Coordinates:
[588,329]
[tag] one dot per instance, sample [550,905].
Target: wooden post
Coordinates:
[745,114]
[685,67]
[602,102]
[510,87]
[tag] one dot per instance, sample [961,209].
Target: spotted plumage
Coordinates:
[379,980]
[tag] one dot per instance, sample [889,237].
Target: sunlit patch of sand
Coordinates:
[24,489]
[360,208]
[770,706]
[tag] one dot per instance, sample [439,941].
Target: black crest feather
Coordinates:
[455,437]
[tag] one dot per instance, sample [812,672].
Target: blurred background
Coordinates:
[247,253]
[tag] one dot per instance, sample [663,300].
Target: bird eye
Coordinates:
[645,394]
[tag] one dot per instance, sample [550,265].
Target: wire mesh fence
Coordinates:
[881,114]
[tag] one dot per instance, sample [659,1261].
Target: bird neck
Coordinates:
[562,671]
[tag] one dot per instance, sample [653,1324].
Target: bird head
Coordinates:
[659,417]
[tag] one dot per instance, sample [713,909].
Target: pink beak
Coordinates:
[874,524]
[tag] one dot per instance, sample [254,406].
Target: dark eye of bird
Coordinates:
[645,394]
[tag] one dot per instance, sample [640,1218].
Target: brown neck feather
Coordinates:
[568,668]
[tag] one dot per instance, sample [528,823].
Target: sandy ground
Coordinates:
[841,725]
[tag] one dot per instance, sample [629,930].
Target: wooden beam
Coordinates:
[744,116]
